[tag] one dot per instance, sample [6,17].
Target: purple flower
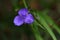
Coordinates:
[23,17]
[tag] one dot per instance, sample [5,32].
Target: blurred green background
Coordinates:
[47,26]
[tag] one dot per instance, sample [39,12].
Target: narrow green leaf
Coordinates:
[44,23]
[51,22]
[36,32]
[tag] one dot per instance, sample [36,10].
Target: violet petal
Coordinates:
[18,20]
[23,12]
[29,19]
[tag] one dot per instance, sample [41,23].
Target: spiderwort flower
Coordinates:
[23,17]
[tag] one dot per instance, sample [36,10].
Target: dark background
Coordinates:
[8,10]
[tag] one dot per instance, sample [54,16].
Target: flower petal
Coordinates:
[23,12]
[18,20]
[29,19]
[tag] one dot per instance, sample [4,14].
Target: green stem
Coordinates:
[25,4]
[40,25]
